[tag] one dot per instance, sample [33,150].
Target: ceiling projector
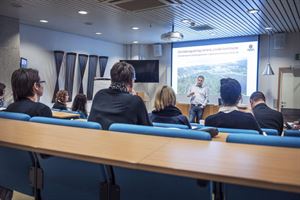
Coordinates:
[172,36]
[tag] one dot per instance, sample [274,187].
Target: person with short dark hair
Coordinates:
[27,87]
[165,110]
[116,104]
[265,116]
[199,98]
[2,91]
[229,116]
[61,99]
[79,105]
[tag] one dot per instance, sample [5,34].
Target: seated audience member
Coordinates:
[265,116]
[116,104]
[61,99]
[79,105]
[2,91]
[229,116]
[27,87]
[165,110]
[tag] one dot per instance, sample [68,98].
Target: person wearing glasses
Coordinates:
[27,88]
[165,110]
[117,104]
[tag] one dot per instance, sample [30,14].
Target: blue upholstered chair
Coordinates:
[15,116]
[158,131]
[270,131]
[16,168]
[237,192]
[137,185]
[292,133]
[238,131]
[264,140]
[66,122]
[168,125]
[72,179]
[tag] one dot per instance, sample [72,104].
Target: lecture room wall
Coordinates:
[37,45]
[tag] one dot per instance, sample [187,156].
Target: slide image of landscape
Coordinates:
[213,73]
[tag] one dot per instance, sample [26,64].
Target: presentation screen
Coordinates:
[215,59]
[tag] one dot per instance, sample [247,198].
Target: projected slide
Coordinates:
[216,60]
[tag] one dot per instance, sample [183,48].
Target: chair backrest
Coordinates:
[72,179]
[158,131]
[14,170]
[292,133]
[237,192]
[270,131]
[13,115]
[264,140]
[137,185]
[238,131]
[66,122]
[168,125]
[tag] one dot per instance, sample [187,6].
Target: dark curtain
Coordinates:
[58,56]
[82,60]
[70,68]
[102,64]
[93,59]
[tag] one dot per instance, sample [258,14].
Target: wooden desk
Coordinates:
[221,137]
[210,109]
[260,166]
[65,115]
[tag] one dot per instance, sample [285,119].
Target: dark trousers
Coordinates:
[5,194]
[195,113]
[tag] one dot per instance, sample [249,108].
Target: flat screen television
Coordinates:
[146,71]
[23,63]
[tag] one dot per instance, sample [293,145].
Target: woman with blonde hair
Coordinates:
[165,110]
[61,99]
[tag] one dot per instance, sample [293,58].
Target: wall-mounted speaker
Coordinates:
[157,50]
[279,41]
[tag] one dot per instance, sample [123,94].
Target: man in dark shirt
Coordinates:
[27,88]
[116,104]
[229,116]
[265,116]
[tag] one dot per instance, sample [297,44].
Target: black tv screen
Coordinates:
[23,62]
[146,71]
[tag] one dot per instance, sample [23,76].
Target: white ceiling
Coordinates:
[229,18]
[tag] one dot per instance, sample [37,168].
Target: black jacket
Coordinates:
[114,106]
[268,118]
[171,115]
[30,108]
[234,119]
[59,106]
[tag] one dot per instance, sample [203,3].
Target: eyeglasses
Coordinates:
[41,82]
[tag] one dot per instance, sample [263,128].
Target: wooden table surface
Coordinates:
[64,115]
[260,166]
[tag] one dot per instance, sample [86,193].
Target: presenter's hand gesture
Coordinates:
[191,94]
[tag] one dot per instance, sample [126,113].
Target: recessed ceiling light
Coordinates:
[186,21]
[268,28]
[135,28]
[43,21]
[253,11]
[135,42]
[98,33]
[82,12]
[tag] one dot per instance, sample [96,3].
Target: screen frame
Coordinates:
[227,40]
[21,62]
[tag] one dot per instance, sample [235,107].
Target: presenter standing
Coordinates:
[199,98]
